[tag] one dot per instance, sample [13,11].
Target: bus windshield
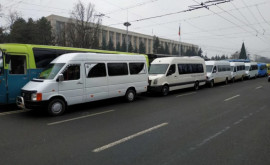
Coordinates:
[51,71]
[209,68]
[158,68]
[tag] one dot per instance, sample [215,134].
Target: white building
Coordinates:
[118,35]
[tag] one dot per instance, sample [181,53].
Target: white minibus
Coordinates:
[218,71]
[237,71]
[172,73]
[251,69]
[84,77]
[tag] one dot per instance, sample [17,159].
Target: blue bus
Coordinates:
[262,69]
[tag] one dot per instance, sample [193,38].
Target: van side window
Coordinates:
[17,65]
[137,68]
[95,70]
[72,72]
[117,69]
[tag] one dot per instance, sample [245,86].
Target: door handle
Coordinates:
[79,83]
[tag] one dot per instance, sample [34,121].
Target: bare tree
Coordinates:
[12,17]
[83,27]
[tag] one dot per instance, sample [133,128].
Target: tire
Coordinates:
[56,107]
[196,86]
[165,90]
[233,80]
[226,81]
[242,78]
[211,84]
[130,95]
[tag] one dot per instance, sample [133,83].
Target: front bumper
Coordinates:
[23,104]
[154,88]
[20,102]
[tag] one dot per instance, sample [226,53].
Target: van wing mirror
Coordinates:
[60,78]
[214,71]
[7,58]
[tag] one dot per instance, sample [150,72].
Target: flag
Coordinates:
[179,31]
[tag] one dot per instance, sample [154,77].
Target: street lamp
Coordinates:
[127,24]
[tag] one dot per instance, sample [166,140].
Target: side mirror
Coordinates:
[60,78]
[7,58]
[214,71]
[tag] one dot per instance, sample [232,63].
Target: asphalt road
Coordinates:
[224,125]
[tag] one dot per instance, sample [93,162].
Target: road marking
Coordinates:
[237,122]
[128,138]
[231,98]
[13,112]
[77,118]
[186,94]
[214,136]
[259,87]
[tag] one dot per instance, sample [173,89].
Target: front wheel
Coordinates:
[165,90]
[56,107]
[196,86]
[130,95]
[226,81]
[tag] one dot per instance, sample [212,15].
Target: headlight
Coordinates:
[155,81]
[36,96]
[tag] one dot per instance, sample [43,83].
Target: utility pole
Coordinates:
[127,24]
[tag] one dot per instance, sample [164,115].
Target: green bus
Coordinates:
[20,63]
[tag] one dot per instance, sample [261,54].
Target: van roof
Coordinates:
[97,57]
[217,62]
[174,59]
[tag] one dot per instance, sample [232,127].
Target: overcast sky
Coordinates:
[218,30]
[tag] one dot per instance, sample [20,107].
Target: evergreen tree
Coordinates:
[130,47]
[166,51]
[118,46]
[110,45]
[174,51]
[200,52]
[43,34]
[18,31]
[156,44]
[104,44]
[136,49]
[243,54]
[124,45]
[141,48]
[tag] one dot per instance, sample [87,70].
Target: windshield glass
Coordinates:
[158,68]
[209,68]
[51,71]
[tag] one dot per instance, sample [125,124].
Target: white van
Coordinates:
[218,71]
[251,69]
[237,71]
[172,73]
[84,77]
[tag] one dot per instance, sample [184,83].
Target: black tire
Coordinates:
[226,81]
[165,90]
[268,79]
[242,78]
[130,95]
[211,84]
[196,86]
[56,107]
